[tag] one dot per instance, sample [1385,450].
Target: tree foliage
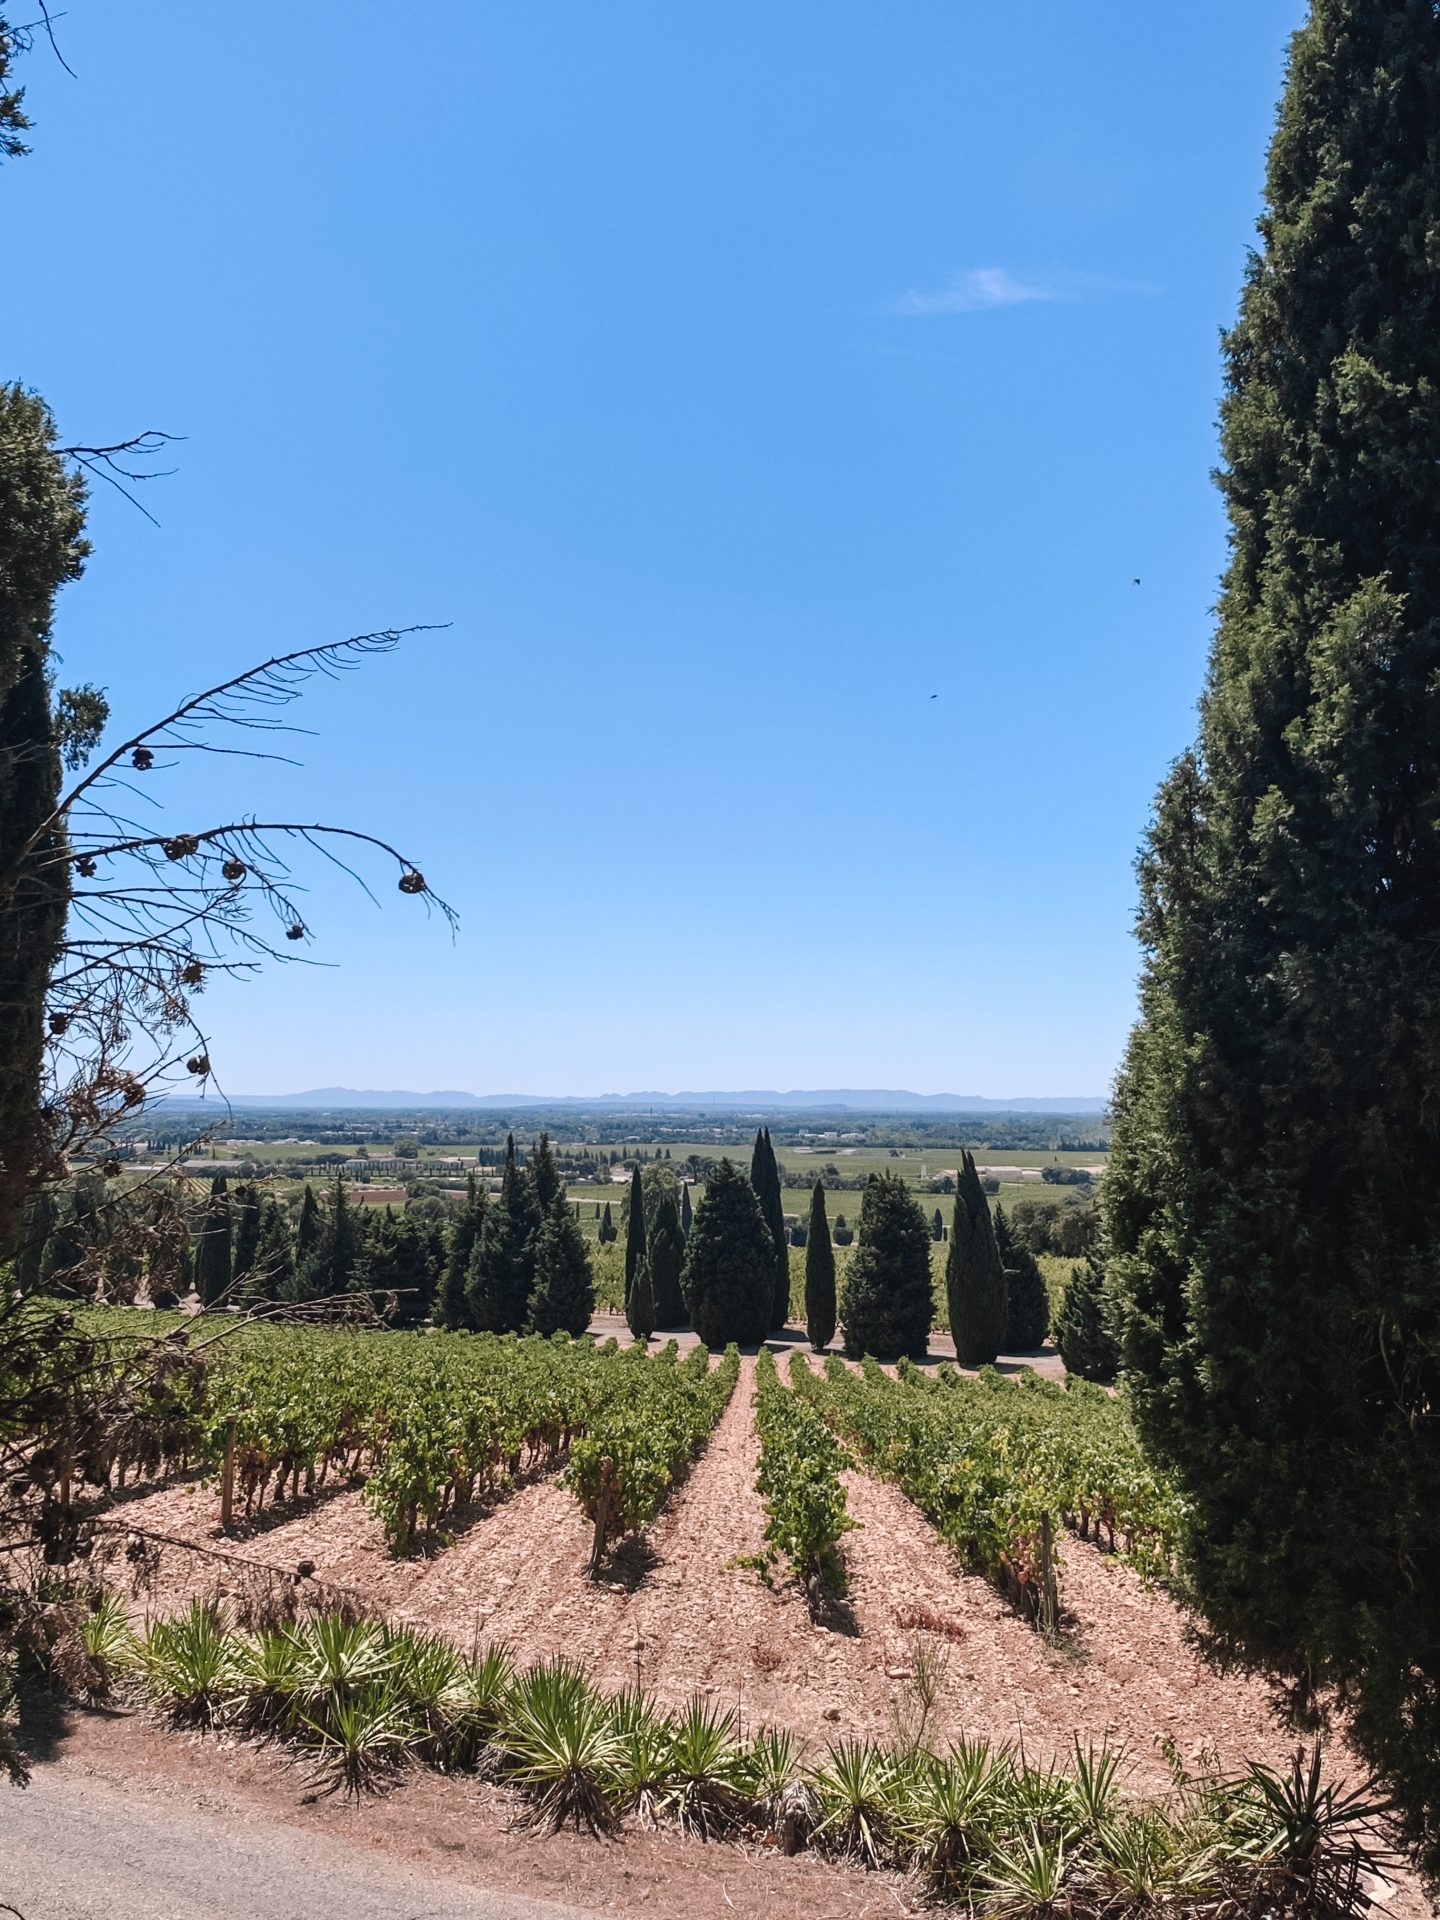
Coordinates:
[887,1302]
[665,1256]
[42,546]
[634,1231]
[1273,1198]
[765,1179]
[819,1274]
[1083,1332]
[974,1275]
[1027,1304]
[729,1271]
[563,1297]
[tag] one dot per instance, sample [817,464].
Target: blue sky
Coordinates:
[731,378]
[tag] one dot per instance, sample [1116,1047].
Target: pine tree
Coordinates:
[887,1302]
[974,1275]
[1082,1332]
[765,1179]
[640,1307]
[729,1274]
[1027,1304]
[634,1233]
[213,1246]
[687,1217]
[1273,1198]
[245,1215]
[819,1274]
[452,1302]
[665,1256]
[544,1172]
[563,1297]
[398,1271]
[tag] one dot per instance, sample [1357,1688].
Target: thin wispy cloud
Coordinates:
[980,289]
[974,292]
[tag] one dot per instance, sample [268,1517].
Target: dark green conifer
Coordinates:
[1027,1304]
[544,1172]
[765,1178]
[307,1227]
[245,1216]
[1273,1199]
[634,1232]
[1082,1332]
[937,1225]
[640,1307]
[665,1256]
[819,1274]
[452,1301]
[729,1274]
[887,1302]
[495,1282]
[213,1246]
[974,1275]
[687,1216]
[563,1297]
[42,546]
[608,1230]
[272,1272]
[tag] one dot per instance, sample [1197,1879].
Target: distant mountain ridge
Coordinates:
[825,1099]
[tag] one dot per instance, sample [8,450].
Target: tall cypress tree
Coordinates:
[608,1229]
[272,1272]
[640,1305]
[1273,1198]
[307,1227]
[544,1173]
[665,1255]
[819,1274]
[245,1214]
[42,546]
[765,1178]
[452,1303]
[974,1275]
[213,1245]
[502,1264]
[634,1232]
[687,1216]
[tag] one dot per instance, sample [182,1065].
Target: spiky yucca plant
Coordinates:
[855,1788]
[564,1751]
[364,1736]
[704,1788]
[190,1665]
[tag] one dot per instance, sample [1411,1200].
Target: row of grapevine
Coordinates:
[989,1461]
[799,1477]
[640,1441]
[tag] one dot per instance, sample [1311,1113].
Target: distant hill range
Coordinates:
[749,1100]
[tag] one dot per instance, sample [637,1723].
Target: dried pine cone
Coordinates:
[412,882]
[142,759]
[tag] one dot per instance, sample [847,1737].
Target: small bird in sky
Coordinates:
[934,696]
[1135,583]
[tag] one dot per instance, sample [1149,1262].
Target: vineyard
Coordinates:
[992,1463]
[815,1568]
